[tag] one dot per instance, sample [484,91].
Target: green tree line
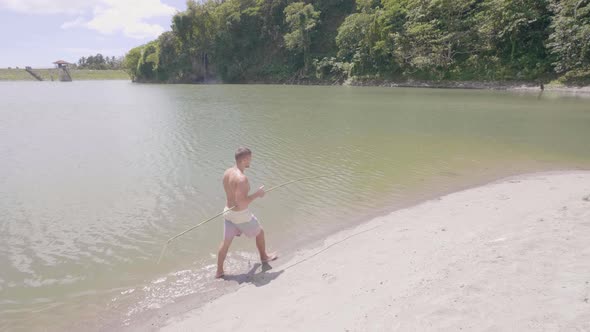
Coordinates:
[334,40]
[100,62]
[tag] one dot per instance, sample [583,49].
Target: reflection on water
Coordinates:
[95,176]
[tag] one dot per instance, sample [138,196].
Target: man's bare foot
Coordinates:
[269,258]
[219,274]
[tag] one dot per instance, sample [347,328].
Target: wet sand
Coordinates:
[510,255]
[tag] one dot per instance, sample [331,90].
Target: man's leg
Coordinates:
[221,254]
[261,245]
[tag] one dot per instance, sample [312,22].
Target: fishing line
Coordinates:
[233,207]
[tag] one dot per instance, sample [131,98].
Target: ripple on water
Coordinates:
[92,187]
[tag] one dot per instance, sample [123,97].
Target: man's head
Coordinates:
[243,157]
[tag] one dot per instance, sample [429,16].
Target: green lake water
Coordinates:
[95,176]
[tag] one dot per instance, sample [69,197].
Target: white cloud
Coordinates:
[105,16]
[74,23]
[128,16]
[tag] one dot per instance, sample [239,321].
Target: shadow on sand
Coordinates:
[258,279]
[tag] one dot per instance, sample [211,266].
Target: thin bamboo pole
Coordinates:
[233,207]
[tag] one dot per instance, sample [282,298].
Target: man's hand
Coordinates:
[260,192]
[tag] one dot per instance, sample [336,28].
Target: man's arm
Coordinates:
[242,197]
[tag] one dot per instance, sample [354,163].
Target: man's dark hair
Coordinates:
[242,152]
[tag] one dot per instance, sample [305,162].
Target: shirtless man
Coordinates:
[240,220]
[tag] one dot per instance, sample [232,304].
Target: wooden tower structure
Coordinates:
[62,70]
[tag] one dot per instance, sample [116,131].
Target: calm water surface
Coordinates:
[95,176]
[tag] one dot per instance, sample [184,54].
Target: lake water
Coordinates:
[95,176]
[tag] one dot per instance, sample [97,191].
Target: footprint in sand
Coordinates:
[328,277]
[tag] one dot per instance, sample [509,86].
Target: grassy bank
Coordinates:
[77,74]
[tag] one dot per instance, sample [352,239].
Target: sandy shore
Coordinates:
[513,255]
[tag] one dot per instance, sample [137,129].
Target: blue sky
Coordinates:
[37,32]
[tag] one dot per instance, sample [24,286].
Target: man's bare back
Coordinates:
[232,178]
[238,219]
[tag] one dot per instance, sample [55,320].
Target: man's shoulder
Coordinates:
[241,178]
[232,174]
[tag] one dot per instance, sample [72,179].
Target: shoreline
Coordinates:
[151,320]
[531,86]
[527,86]
[192,319]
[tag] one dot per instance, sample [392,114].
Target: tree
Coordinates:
[353,39]
[168,54]
[238,40]
[301,20]
[436,35]
[570,40]
[272,15]
[100,62]
[148,61]
[195,29]
[332,14]
[131,61]
[352,36]
[514,32]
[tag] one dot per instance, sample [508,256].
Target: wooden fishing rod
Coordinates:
[233,207]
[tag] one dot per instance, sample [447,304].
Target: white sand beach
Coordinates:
[513,255]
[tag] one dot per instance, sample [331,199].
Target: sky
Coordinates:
[38,32]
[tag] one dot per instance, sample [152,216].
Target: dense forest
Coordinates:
[338,40]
